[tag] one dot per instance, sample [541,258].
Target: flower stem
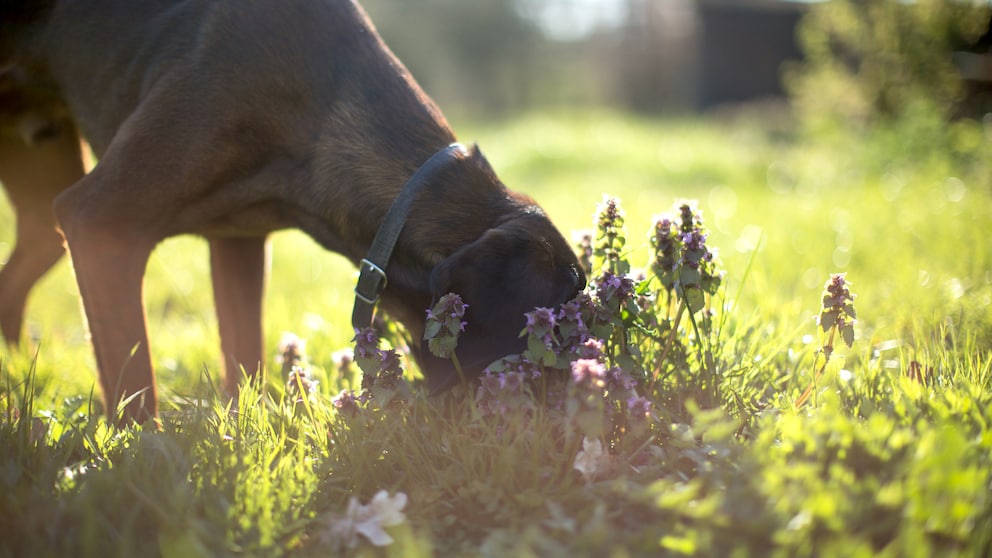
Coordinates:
[827,351]
[458,368]
[668,346]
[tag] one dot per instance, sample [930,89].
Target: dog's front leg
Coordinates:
[238,268]
[109,249]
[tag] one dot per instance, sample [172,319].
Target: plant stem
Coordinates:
[668,346]
[827,349]
[458,368]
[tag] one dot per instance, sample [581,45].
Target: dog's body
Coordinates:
[232,120]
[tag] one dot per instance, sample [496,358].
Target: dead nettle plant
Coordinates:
[837,318]
[604,360]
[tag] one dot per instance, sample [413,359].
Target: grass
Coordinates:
[891,455]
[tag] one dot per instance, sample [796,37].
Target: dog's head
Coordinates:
[520,264]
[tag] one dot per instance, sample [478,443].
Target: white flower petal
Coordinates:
[369,520]
[389,510]
[591,459]
[374,532]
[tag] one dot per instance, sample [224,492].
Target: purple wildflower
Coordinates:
[838,308]
[585,253]
[639,407]
[589,373]
[591,348]
[343,360]
[390,365]
[541,324]
[292,352]
[682,261]
[502,392]
[366,343]
[618,381]
[347,403]
[385,383]
[609,214]
[300,383]
[489,382]
[614,290]
[610,237]
[571,327]
[571,311]
[444,324]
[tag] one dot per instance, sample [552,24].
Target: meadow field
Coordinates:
[737,433]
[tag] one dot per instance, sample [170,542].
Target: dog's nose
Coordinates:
[578,280]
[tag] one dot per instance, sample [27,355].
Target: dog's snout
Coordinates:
[578,279]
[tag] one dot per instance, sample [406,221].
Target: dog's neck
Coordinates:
[455,209]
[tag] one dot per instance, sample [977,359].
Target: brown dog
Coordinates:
[232,120]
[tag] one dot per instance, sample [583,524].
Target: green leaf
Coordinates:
[827,320]
[694,299]
[442,347]
[432,329]
[454,325]
[847,334]
[369,365]
[689,276]
[849,310]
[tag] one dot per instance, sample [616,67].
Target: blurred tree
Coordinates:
[870,61]
[497,56]
[472,54]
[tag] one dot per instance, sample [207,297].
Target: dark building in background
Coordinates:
[742,45]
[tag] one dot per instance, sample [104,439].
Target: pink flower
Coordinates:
[589,373]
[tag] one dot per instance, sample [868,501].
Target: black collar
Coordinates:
[372,270]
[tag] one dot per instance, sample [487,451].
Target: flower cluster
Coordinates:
[682,261]
[343,360]
[292,351]
[366,352]
[838,308]
[585,251]
[572,341]
[610,238]
[382,370]
[589,375]
[300,382]
[837,315]
[665,242]
[615,291]
[444,324]
[599,398]
[348,403]
[542,345]
[500,393]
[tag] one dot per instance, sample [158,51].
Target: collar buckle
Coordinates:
[371,282]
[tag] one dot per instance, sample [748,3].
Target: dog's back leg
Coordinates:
[32,176]
[111,220]
[238,268]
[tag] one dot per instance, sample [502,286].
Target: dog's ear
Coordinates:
[507,272]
